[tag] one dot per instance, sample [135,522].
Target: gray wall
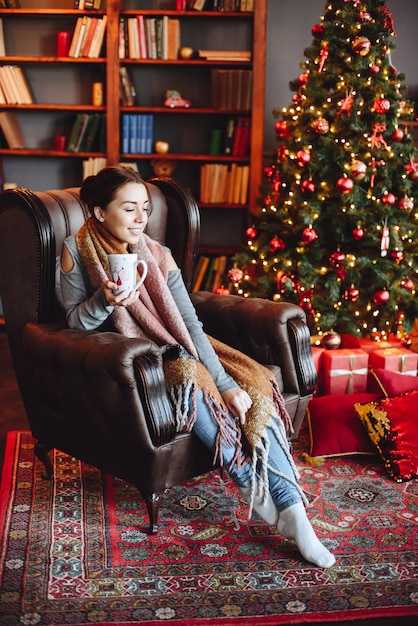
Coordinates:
[289,33]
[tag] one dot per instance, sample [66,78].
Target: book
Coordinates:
[173,38]
[12,130]
[77,132]
[22,84]
[84,52]
[2,46]
[6,85]
[142,37]
[98,38]
[127,87]
[82,33]
[75,36]
[90,133]
[125,132]
[16,97]
[133,39]
[122,38]
[201,267]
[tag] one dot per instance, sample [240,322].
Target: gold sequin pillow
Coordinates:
[392,425]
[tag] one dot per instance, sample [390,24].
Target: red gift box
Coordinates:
[317,358]
[345,371]
[396,360]
[369,345]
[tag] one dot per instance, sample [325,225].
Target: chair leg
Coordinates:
[41,452]
[153,506]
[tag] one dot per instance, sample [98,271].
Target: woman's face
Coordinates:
[127,215]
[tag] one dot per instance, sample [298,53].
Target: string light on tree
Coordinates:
[335,229]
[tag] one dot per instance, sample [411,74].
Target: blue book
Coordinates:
[149,134]
[141,134]
[133,134]
[125,132]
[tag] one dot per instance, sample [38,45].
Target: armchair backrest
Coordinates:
[33,226]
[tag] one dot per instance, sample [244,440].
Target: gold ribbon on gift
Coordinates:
[362,371]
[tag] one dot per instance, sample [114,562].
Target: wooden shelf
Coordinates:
[188,155]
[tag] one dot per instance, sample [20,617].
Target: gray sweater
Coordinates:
[87,309]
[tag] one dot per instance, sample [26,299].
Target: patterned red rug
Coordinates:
[74,551]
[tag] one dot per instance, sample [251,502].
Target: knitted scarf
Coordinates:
[155,316]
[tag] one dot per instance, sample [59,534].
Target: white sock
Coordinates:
[294,524]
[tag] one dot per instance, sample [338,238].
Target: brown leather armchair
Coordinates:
[100,396]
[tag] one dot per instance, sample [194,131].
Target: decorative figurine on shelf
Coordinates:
[174,100]
[163,167]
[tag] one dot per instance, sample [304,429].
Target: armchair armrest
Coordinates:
[272,333]
[114,383]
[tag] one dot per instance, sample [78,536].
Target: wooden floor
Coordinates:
[13,417]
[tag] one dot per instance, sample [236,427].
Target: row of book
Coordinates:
[88,5]
[88,37]
[11,131]
[14,88]
[211,272]
[137,133]
[88,133]
[222,183]
[149,37]
[243,56]
[231,89]
[237,136]
[221,5]
[9,4]
[127,89]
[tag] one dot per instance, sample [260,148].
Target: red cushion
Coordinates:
[334,425]
[385,382]
[392,424]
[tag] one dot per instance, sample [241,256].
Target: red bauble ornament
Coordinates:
[235,274]
[303,78]
[408,284]
[397,134]
[352,294]
[297,98]
[309,234]
[358,169]
[396,255]
[303,157]
[308,186]
[222,291]
[281,129]
[251,232]
[276,244]
[331,341]
[321,126]
[364,16]
[406,342]
[358,233]
[270,171]
[317,30]
[375,69]
[361,46]
[382,105]
[286,282]
[406,204]
[337,258]
[388,198]
[381,296]
[344,184]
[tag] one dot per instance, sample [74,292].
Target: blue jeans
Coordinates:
[283,492]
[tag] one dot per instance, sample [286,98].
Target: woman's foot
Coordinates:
[294,524]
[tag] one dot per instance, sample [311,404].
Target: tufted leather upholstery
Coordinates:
[100,396]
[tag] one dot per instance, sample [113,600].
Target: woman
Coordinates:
[218,406]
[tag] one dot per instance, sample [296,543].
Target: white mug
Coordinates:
[123,268]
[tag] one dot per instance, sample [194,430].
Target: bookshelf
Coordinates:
[62,88]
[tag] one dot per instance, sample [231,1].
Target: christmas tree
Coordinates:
[335,229]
